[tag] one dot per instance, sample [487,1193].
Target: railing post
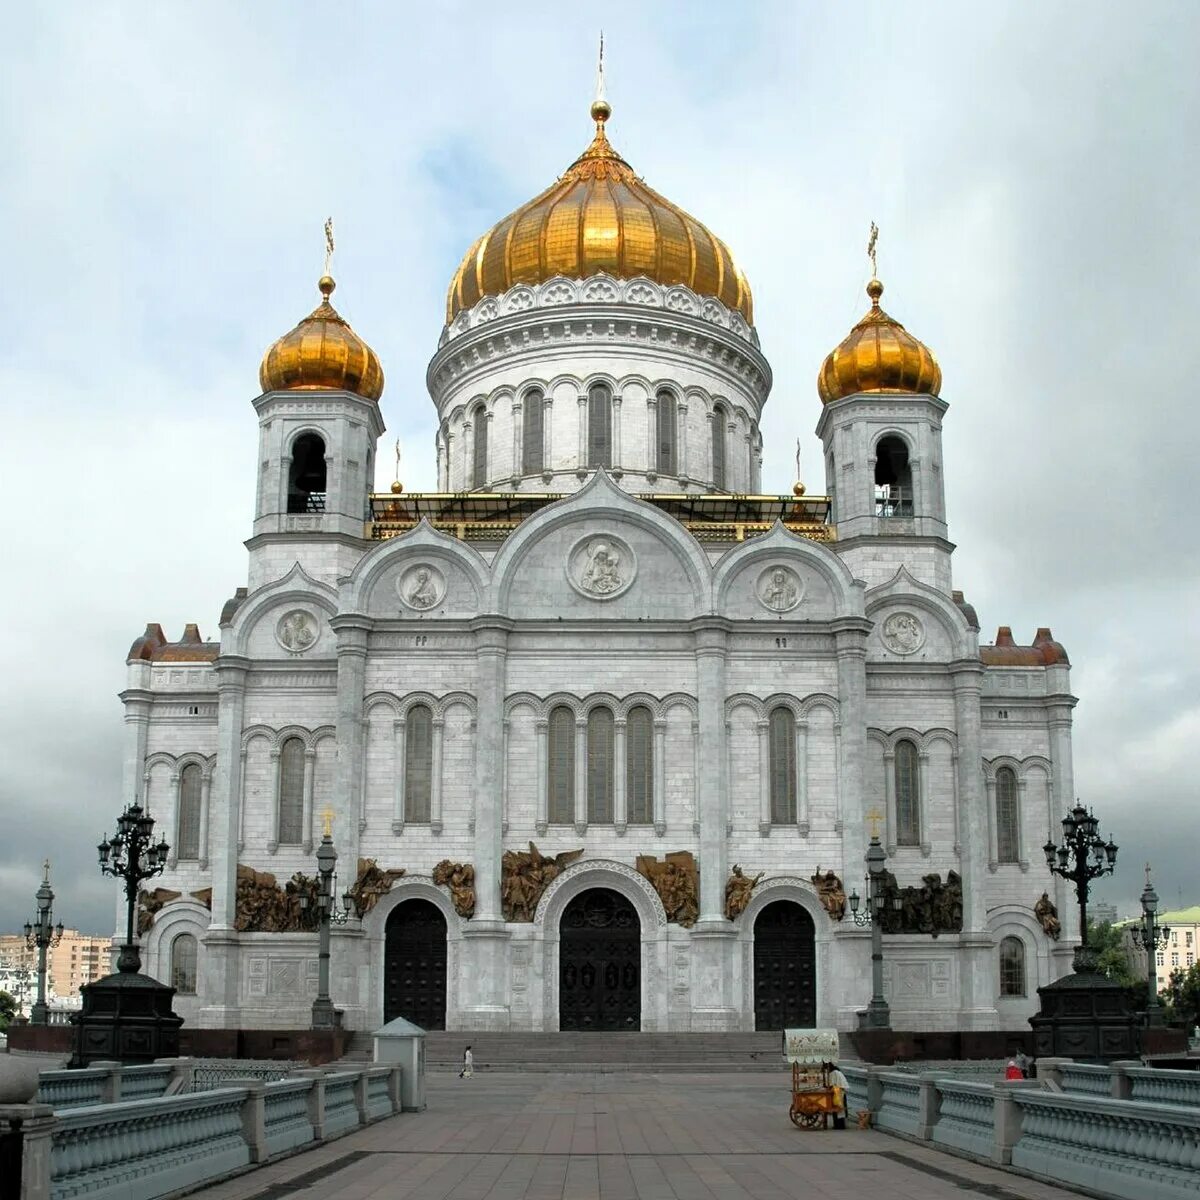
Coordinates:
[316,1100]
[396,1087]
[1049,1072]
[183,1075]
[360,1095]
[1006,1116]
[929,1105]
[1120,1086]
[32,1125]
[254,1117]
[110,1085]
[874,1089]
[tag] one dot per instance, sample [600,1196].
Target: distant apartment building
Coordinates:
[78,959]
[1181,949]
[1103,914]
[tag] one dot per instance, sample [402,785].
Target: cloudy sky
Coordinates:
[165,169]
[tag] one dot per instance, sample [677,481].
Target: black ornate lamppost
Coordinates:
[40,935]
[877,1015]
[324,1015]
[1151,937]
[1083,856]
[131,854]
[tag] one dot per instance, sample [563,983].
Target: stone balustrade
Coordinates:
[1086,1079]
[1164,1087]
[965,1117]
[899,1110]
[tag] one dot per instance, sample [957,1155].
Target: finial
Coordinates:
[874,816]
[601,109]
[798,488]
[1147,874]
[874,288]
[327,823]
[325,284]
[397,486]
[46,871]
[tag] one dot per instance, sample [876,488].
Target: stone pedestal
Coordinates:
[126,1018]
[1087,1017]
[714,1010]
[402,1043]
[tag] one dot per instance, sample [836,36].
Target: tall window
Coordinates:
[782,737]
[183,964]
[291,793]
[1012,967]
[532,432]
[719,418]
[639,766]
[188,839]
[479,422]
[418,763]
[1007,847]
[893,479]
[908,804]
[600,766]
[599,426]
[665,464]
[306,475]
[560,766]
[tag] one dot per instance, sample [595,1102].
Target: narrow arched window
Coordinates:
[600,766]
[188,839]
[560,766]
[306,475]
[1008,848]
[639,766]
[418,763]
[1012,967]
[665,464]
[782,747]
[533,432]
[291,793]
[719,419]
[908,804]
[479,466]
[599,426]
[183,964]
[893,479]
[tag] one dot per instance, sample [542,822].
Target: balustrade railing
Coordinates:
[1164,1087]
[216,1072]
[965,1117]
[900,1107]
[1086,1079]
[286,1120]
[341,1105]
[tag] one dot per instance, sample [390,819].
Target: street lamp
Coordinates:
[1151,937]
[132,855]
[40,936]
[1083,856]
[324,1015]
[878,1014]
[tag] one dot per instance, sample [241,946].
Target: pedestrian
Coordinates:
[1022,1061]
[468,1067]
[841,1085]
[1012,1071]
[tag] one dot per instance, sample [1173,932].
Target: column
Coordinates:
[620,801]
[352,630]
[448,483]
[137,733]
[1062,799]
[489,457]
[1022,839]
[616,433]
[993,853]
[504,776]
[310,771]
[923,801]
[399,769]
[547,429]
[652,434]
[889,815]
[659,799]
[273,843]
[205,792]
[438,446]
[241,769]
[957,802]
[583,436]
[468,455]
[435,782]
[541,820]
[518,423]
[581,812]
[764,777]
[838,800]
[708,451]
[802,821]
[173,857]
[681,441]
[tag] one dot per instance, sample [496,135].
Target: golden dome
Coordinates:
[322,352]
[599,217]
[879,355]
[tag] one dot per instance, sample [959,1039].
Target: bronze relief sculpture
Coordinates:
[371,884]
[459,878]
[831,893]
[524,877]
[738,889]
[1047,915]
[265,907]
[677,882]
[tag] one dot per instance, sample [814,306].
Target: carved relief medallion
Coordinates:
[296,631]
[601,567]
[903,633]
[422,587]
[779,589]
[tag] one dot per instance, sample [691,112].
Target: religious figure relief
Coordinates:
[149,905]
[265,907]
[422,587]
[934,907]
[297,631]
[371,885]
[831,893]
[903,633]
[600,567]
[677,882]
[524,877]
[1047,915]
[779,589]
[459,878]
[738,888]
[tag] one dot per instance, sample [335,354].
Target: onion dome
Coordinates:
[322,352]
[599,217]
[879,355]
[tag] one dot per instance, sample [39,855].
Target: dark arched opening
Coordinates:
[414,965]
[306,475]
[600,963]
[893,479]
[785,968]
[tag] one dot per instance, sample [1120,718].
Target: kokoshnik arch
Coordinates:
[601,635]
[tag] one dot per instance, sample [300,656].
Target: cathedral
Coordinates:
[601,729]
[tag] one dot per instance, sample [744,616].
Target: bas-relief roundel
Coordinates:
[421,587]
[903,633]
[297,631]
[779,589]
[601,567]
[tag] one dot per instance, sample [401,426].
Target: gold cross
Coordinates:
[874,816]
[328,243]
[871,247]
[327,822]
[1147,874]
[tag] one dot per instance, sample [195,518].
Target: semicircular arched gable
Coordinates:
[947,637]
[252,631]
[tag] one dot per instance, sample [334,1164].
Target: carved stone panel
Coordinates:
[601,567]
[421,587]
[297,631]
[903,633]
[779,589]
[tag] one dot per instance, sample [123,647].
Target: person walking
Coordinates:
[468,1067]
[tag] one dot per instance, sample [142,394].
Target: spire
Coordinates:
[601,109]
[325,283]
[874,288]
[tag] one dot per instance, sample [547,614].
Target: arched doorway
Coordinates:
[785,968]
[414,965]
[600,963]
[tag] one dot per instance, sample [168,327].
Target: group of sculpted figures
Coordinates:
[934,907]
[677,881]
[525,876]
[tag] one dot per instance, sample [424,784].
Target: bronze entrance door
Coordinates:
[785,968]
[599,963]
[414,965]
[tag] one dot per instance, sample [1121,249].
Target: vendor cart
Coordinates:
[814,1100]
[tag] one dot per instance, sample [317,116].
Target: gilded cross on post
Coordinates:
[397,458]
[874,816]
[327,823]
[328,243]
[871,248]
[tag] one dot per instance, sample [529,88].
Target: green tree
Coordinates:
[1182,995]
[8,1010]
[1111,953]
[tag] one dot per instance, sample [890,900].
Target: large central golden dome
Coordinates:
[599,217]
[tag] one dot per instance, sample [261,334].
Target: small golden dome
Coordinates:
[322,352]
[879,355]
[599,217]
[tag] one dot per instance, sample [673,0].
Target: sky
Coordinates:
[166,168]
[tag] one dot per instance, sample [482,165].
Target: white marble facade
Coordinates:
[601,599]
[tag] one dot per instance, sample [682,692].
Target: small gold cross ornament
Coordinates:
[874,816]
[327,823]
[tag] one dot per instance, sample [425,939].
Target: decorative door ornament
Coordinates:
[422,587]
[903,633]
[779,589]
[601,567]
[297,631]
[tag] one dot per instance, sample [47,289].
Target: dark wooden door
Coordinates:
[414,965]
[785,968]
[600,963]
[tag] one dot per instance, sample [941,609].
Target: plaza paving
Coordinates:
[618,1137]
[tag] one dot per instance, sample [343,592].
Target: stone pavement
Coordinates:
[618,1137]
